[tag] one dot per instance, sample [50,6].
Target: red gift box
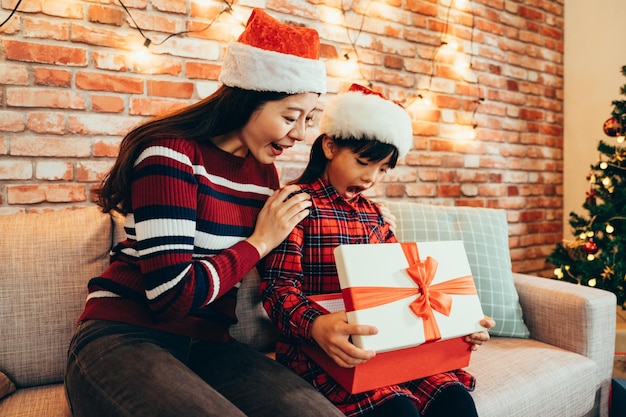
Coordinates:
[423,311]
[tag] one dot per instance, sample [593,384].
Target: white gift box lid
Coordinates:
[384,265]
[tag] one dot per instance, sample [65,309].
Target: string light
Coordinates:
[148,42]
[12,13]
[353,42]
[448,46]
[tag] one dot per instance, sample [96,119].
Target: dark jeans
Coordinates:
[120,370]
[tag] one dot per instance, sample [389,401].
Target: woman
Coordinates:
[198,191]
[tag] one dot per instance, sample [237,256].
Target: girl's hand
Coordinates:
[278,217]
[480,337]
[332,333]
[390,219]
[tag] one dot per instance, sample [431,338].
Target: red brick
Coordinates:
[53,193]
[92,171]
[151,107]
[54,170]
[50,147]
[100,124]
[170,89]
[106,15]
[201,70]
[53,77]
[107,104]
[11,121]
[48,122]
[174,6]
[45,29]
[95,35]
[11,74]
[106,147]
[16,169]
[44,97]
[70,10]
[43,53]
[109,82]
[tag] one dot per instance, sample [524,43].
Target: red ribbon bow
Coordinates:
[430,297]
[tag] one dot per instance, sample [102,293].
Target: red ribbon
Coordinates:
[430,297]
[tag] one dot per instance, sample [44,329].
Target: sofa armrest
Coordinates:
[573,317]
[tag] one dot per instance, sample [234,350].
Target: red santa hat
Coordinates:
[361,112]
[272,56]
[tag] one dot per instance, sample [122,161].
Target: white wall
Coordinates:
[595,51]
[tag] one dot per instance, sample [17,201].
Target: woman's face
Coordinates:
[277,126]
[350,173]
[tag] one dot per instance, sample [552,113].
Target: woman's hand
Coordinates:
[278,217]
[480,337]
[332,333]
[390,219]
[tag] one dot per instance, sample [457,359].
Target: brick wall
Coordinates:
[71,86]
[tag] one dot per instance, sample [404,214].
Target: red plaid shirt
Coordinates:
[304,265]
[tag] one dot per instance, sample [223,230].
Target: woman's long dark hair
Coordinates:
[368,148]
[224,111]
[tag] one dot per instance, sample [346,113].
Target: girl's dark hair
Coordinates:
[368,148]
[224,111]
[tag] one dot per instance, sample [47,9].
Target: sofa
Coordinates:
[550,355]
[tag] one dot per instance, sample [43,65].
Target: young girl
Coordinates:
[198,188]
[362,136]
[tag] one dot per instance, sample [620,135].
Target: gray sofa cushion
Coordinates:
[40,263]
[254,326]
[525,377]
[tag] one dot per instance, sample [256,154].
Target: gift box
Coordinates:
[420,296]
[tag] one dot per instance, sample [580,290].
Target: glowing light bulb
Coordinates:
[472,134]
[592,282]
[421,101]
[582,236]
[609,229]
[558,272]
[620,139]
[141,58]
[591,257]
[604,165]
[589,233]
[347,68]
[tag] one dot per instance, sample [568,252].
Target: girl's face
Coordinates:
[350,173]
[276,126]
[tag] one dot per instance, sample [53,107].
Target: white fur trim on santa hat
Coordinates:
[354,114]
[257,69]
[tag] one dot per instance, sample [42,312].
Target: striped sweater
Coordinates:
[183,258]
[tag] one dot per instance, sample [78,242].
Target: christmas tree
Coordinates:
[596,256]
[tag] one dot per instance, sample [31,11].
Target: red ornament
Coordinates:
[612,127]
[590,247]
[591,198]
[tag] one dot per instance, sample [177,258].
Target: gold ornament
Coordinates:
[607,273]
